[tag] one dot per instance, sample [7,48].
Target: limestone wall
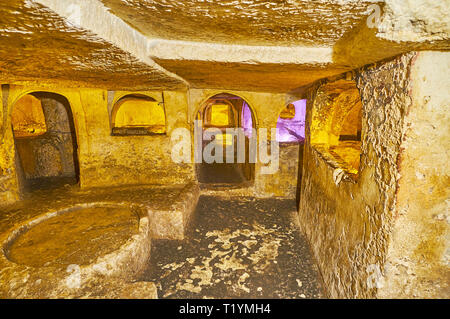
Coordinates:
[8,182]
[347,221]
[284,182]
[418,260]
[50,154]
[106,160]
[385,232]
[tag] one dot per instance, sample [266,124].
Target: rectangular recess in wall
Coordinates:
[336,125]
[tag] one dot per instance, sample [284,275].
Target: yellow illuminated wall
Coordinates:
[225,139]
[28,118]
[351,125]
[288,112]
[219,115]
[336,124]
[132,112]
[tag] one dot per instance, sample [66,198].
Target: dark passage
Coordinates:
[240,248]
[220,173]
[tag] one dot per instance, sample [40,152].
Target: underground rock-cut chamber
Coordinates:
[45,140]
[75,236]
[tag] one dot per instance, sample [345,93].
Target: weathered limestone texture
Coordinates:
[284,182]
[253,45]
[393,28]
[418,20]
[50,154]
[238,247]
[172,223]
[252,22]
[418,260]
[102,159]
[349,223]
[57,51]
[118,160]
[251,68]
[105,272]
[53,280]
[148,158]
[9,190]
[337,115]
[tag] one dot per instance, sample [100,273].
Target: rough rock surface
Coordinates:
[112,275]
[37,44]
[237,248]
[418,260]
[349,223]
[254,22]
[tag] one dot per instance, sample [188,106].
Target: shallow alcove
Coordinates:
[336,125]
[291,123]
[138,114]
[222,113]
[45,140]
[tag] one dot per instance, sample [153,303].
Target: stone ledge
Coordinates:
[171,223]
[124,264]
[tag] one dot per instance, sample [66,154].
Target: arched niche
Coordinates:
[138,114]
[291,123]
[45,141]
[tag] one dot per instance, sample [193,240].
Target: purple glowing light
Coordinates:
[246,120]
[293,130]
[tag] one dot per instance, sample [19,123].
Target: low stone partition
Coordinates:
[171,222]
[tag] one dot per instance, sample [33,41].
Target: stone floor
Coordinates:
[238,248]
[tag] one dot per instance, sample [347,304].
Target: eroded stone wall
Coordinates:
[386,234]
[8,183]
[126,160]
[106,160]
[266,108]
[418,260]
[349,222]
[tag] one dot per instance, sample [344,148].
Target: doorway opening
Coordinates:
[291,136]
[221,112]
[337,124]
[45,141]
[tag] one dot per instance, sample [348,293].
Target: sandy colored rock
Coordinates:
[370,181]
